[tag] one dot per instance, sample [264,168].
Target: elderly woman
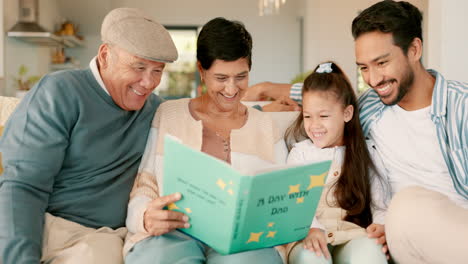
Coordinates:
[216,123]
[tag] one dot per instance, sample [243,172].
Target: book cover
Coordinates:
[233,212]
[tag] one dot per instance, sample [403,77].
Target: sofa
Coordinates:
[282,119]
[7,105]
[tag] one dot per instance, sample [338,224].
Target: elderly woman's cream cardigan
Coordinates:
[257,144]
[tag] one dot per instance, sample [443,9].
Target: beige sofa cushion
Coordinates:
[7,105]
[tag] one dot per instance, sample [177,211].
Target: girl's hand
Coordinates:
[317,242]
[378,231]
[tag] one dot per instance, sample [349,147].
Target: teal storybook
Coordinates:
[233,212]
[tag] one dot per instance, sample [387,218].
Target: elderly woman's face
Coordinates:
[226,82]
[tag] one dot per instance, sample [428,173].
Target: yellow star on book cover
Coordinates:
[271,224]
[317,180]
[221,184]
[300,200]
[188,210]
[255,237]
[294,188]
[271,234]
[172,206]
[230,191]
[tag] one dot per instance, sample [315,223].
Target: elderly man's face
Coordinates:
[129,79]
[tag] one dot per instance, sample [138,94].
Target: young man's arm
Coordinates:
[286,97]
[267,90]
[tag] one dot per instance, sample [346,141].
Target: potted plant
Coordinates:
[24,82]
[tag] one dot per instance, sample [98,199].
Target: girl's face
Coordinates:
[324,118]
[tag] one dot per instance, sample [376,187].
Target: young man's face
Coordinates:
[130,80]
[384,66]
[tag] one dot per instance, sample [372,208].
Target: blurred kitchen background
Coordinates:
[290,36]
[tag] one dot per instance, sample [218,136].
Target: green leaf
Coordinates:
[22,70]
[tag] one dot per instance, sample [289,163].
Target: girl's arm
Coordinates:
[297,156]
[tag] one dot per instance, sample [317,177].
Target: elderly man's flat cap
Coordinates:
[138,34]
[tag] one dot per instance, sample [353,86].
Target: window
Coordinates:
[361,84]
[180,78]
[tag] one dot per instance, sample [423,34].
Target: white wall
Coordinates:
[17,52]
[328,32]
[448,38]
[88,15]
[276,53]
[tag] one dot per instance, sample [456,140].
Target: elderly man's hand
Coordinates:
[284,104]
[158,221]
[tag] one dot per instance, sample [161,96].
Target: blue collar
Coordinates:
[439,95]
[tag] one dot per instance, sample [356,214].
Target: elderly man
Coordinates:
[73,146]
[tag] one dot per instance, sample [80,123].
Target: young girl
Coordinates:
[330,121]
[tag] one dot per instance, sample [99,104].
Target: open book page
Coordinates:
[226,207]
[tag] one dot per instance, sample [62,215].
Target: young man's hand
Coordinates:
[378,231]
[283,104]
[266,91]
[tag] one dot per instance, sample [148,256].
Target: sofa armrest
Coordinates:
[7,106]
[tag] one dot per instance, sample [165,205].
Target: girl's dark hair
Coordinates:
[402,19]
[352,190]
[224,40]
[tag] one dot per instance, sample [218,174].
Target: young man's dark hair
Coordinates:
[402,19]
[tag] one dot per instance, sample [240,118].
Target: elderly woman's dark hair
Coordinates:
[223,39]
[402,19]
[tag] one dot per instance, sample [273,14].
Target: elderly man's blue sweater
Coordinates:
[69,150]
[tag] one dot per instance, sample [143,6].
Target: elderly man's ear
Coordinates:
[103,55]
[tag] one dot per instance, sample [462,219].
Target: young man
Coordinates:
[72,148]
[419,123]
